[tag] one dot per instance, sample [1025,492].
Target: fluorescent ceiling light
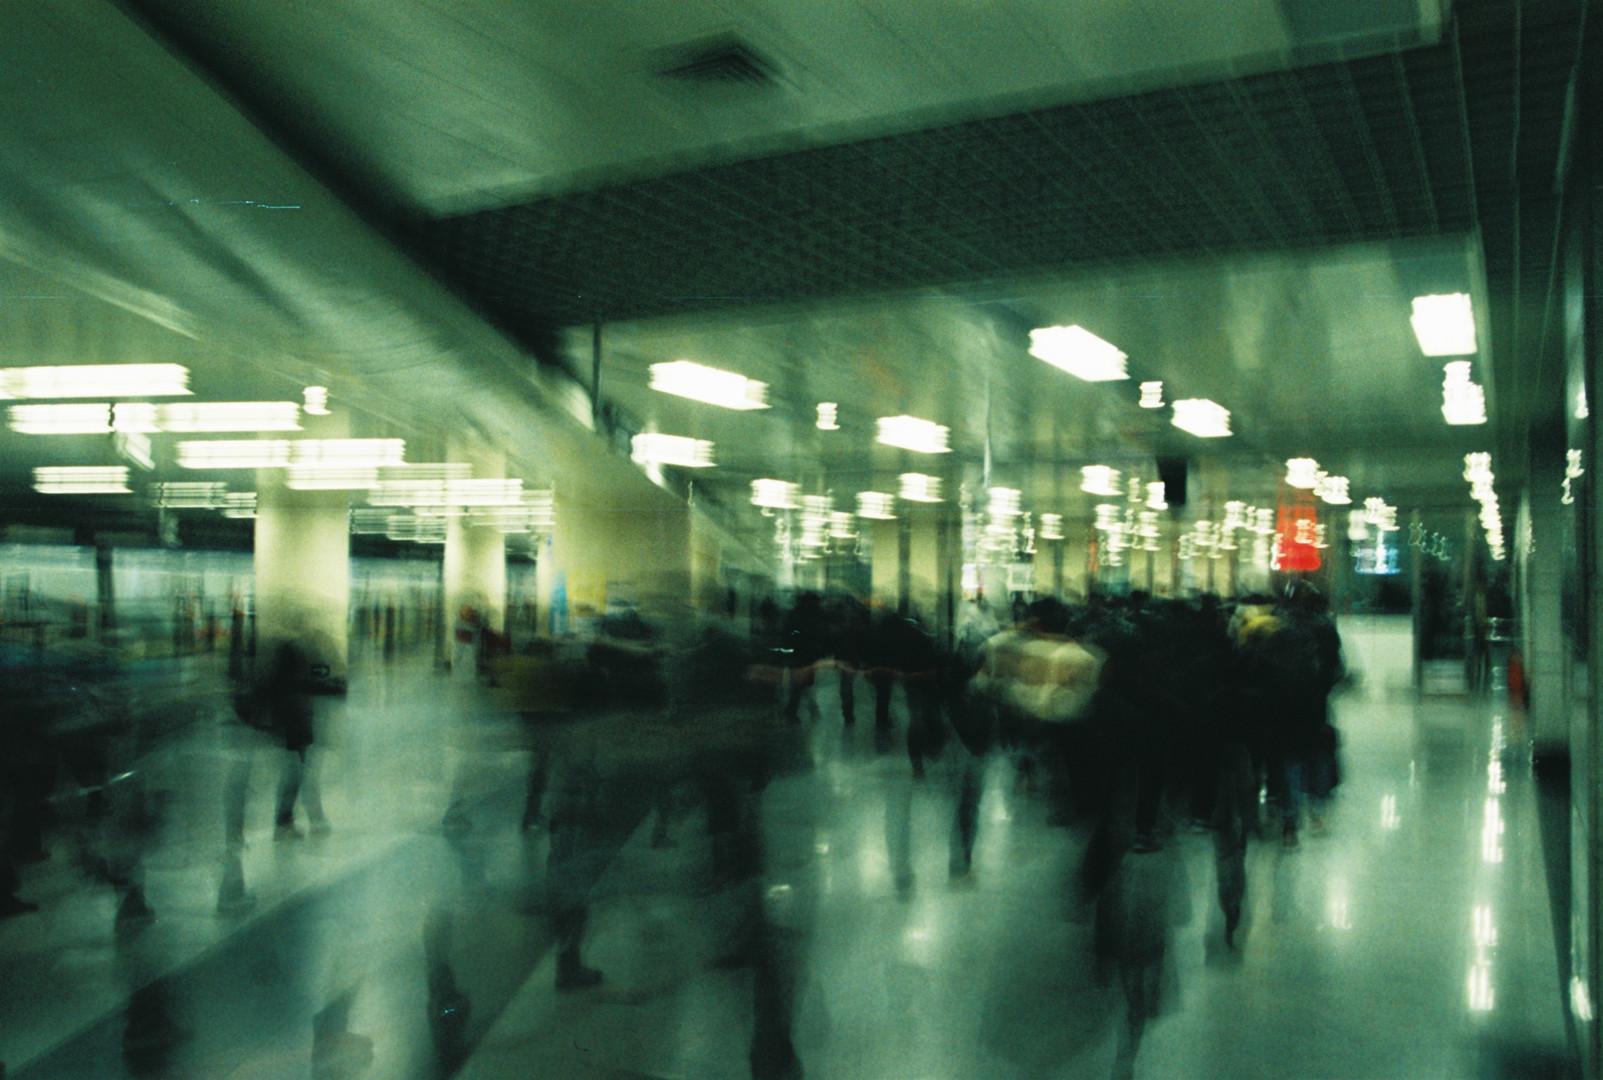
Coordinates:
[426,470]
[1156,496]
[655,449]
[331,477]
[1463,400]
[316,398]
[1079,352]
[774,494]
[1444,324]
[1004,502]
[911,433]
[419,530]
[369,522]
[876,505]
[1203,418]
[239,504]
[506,520]
[1100,480]
[1381,515]
[144,417]
[348,453]
[1051,526]
[190,494]
[1333,489]
[1478,467]
[709,385]
[234,454]
[447,493]
[81,480]
[1151,395]
[95,381]
[828,416]
[282,453]
[1302,472]
[199,416]
[917,487]
[60,419]
[841,526]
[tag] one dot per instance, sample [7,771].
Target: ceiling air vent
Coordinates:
[722,61]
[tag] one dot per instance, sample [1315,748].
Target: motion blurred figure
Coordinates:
[287,689]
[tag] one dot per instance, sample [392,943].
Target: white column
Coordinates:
[303,570]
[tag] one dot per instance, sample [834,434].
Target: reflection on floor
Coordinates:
[1412,938]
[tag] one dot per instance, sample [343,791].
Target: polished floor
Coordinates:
[1411,938]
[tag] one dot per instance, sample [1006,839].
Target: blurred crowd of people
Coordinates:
[1130,719]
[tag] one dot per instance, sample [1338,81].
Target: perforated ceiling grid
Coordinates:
[1349,151]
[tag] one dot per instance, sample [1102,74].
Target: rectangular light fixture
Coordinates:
[1079,352]
[190,494]
[1463,400]
[185,417]
[774,494]
[1157,498]
[917,487]
[348,453]
[1051,526]
[828,416]
[1302,472]
[1152,395]
[239,504]
[1100,480]
[911,433]
[653,448]
[331,477]
[234,454]
[1334,490]
[81,480]
[1444,324]
[60,419]
[282,453]
[510,520]
[147,418]
[709,385]
[1004,502]
[366,521]
[876,505]
[446,493]
[426,470]
[419,530]
[95,381]
[1203,418]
